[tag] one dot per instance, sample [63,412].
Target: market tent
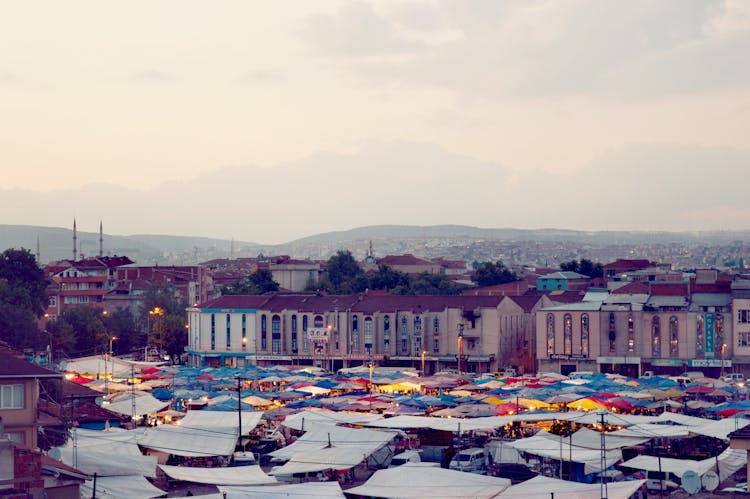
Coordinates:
[116,487]
[303,419]
[320,436]
[313,490]
[543,486]
[555,447]
[200,434]
[719,428]
[415,481]
[333,458]
[145,403]
[590,439]
[237,475]
[653,430]
[107,457]
[729,461]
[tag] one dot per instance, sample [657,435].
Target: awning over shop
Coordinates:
[238,475]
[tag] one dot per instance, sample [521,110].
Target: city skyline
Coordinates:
[268,122]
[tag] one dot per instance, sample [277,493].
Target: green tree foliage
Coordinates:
[432,284]
[490,274]
[23,298]
[342,269]
[18,267]
[89,332]
[257,283]
[164,315]
[387,279]
[122,325]
[585,267]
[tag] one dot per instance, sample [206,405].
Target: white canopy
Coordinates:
[414,482]
[107,453]
[101,364]
[145,403]
[333,458]
[305,419]
[321,435]
[590,439]
[554,447]
[238,475]
[730,461]
[312,490]
[653,430]
[719,428]
[117,487]
[542,486]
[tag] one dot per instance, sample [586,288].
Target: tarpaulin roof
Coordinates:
[116,487]
[554,447]
[305,418]
[543,486]
[333,458]
[107,457]
[237,475]
[729,461]
[412,481]
[312,490]
[144,404]
[320,436]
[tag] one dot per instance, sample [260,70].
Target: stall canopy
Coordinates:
[322,435]
[200,434]
[239,475]
[729,461]
[116,487]
[145,403]
[555,447]
[414,481]
[304,419]
[333,458]
[312,490]
[542,486]
[107,453]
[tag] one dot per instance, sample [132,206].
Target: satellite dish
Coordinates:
[710,481]
[54,453]
[691,482]
[99,401]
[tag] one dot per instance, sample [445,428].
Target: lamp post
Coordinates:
[460,346]
[723,348]
[423,354]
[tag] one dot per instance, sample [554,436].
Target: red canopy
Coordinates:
[699,389]
[151,370]
[81,380]
[204,377]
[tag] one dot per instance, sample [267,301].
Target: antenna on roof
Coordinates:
[101,240]
[75,240]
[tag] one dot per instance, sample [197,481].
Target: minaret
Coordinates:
[75,240]
[38,255]
[231,249]
[101,240]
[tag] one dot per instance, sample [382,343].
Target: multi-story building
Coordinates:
[471,333]
[294,275]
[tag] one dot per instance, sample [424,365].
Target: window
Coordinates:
[743,339]
[369,333]
[436,325]
[355,334]
[550,334]
[11,396]
[276,334]
[700,337]
[631,335]
[294,333]
[656,337]
[418,335]
[52,301]
[386,332]
[229,331]
[263,332]
[612,332]
[585,334]
[674,337]
[743,316]
[567,334]
[305,342]
[213,332]
[244,330]
[718,333]
[404,334]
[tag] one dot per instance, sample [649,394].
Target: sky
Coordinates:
[270,121]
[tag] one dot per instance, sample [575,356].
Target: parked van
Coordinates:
[474,459]
[656,480]
[693,375]
[734,378]
[408,456]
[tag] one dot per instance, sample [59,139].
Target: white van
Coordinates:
[734,378]
[655,479]
[474,459]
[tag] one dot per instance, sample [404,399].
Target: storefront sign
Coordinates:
[667,362]
[618,360]
[708,363]
[318,334]
[709,336]
[567,356]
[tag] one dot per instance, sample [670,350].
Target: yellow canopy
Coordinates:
[585,404]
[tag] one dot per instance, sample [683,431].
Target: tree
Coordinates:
[386,278]
[490,274]
[257,283]
[585,267]
[18,267]
[17,321]
[89,331]
[342,267]
[165,316]
[432,284]
[122,325]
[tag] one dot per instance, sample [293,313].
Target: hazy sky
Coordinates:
[149,95]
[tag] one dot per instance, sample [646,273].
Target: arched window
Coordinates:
[700,337]
[213,332]
[568,334]
[612,332]
[276,334]
[294,333]
[229,331]
[436,325]
[656,337]
[585,334]
[631,335]
[550,334]
[305,325]
[369,333]
[263,332]
[355,334]
[674,337]
[417,335]
[318,321]
[404,335]
[386,333]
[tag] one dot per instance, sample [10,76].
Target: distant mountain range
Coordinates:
[57,243]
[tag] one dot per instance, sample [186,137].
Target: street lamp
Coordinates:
[723,347]
[423,354]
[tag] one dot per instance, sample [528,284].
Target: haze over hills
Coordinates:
[56,243]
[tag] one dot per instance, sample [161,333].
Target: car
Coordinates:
[647,375]
[734,378]
[693,375]
[471,460]
[409,456]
